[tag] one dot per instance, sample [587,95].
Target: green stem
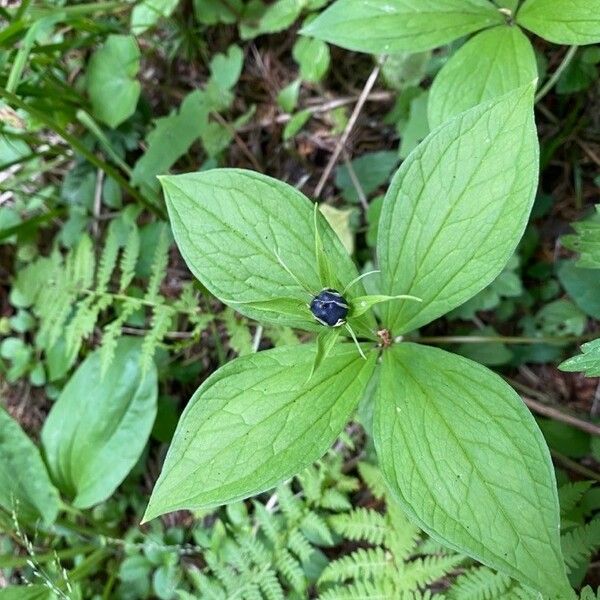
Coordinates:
[557,73]
[501,339]
[80,148]
[7,562]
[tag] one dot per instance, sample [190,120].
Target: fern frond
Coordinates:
[311,480]
[270,586]
[361,525]
[112,331]
[299,545]
[402,537]
[335,500]
[579,543]
[570,494]
[129,258]
[209,587]
[290,505]
[291,569]
[240,338]
[587,593]
[268,525]
[160,324]
[108,258]
[373,477]
[423,571]
[479,584]
[316,528]
[159,265]
[364,563]
[381,589]
[80,265]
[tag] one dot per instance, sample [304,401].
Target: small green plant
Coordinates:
[459,450]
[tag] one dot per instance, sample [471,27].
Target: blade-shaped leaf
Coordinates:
[457,208]
[562,21]
[25,487]
[489,65]
[468,463]
[401,25]
[256,422]
[249,238]
[98,427]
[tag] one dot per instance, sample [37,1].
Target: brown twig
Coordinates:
[349,126]
[558,415]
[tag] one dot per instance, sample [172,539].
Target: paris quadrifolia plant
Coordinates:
[459,450]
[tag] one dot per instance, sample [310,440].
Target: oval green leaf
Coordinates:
[468,464]
[562,21]
[250,238]
[456,209]
[98,427]
[25,487]
[256,422]
[489,65]
[403,25]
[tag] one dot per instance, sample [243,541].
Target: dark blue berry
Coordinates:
[330,308]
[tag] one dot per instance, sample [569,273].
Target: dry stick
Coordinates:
[558,415]
[355,182]
[239,141]
[351,122]
[315,109]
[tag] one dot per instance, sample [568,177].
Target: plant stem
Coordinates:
[557,73]
[7,562]
[502,339]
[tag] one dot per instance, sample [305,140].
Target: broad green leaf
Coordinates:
[98,427]
[25,487]
[256,422]
[111,82]
[147,13]
[250,239]
[588,362]
[586,241]
[456,209]
[489,65]
[582,285]
[468,464]
[562,21]
[382,27]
